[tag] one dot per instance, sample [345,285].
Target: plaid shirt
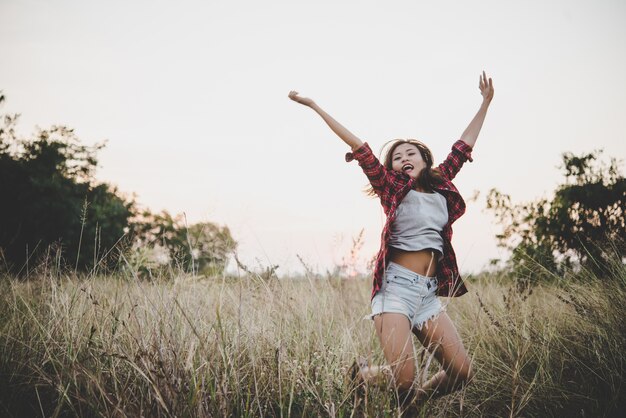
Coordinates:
[392,186]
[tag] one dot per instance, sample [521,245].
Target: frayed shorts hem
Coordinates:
[414,324]
[406,292]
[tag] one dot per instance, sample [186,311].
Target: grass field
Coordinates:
[183,346]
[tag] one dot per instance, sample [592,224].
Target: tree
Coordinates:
[202,247]
[576,227]
[50,197]
[210,246]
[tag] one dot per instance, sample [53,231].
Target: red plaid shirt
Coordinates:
[391,186]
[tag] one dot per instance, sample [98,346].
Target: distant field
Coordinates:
[185,346]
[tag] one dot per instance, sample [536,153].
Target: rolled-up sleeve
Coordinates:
[360,153]
[464,149]
[373,169]
[461,152]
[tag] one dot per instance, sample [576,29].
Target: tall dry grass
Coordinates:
[251,346]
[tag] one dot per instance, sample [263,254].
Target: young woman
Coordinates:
[416,262]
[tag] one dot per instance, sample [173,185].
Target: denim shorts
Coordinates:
[406,292]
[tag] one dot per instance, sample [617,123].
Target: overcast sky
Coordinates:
[192,98]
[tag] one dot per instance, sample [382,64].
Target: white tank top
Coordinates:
[419,222]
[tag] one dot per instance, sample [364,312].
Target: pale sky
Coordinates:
[192,98]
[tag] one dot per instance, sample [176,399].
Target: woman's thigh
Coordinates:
[394,333]
[440,335]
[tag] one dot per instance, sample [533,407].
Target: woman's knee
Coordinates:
[404,376]
[470,374]
[463,375]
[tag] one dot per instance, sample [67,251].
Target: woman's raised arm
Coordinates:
[346,136]
[473,129]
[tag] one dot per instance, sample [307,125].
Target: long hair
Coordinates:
[427,178]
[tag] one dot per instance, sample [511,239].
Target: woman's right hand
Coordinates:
[293,95]
[345,135]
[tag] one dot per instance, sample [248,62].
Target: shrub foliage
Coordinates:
[53,207]
[575,227]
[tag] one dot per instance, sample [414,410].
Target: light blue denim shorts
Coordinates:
[406,292]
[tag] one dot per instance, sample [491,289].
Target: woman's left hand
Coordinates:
[486,87]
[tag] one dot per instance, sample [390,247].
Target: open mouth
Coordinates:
[407,167]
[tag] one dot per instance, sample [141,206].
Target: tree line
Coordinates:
[53,208]
[582,226]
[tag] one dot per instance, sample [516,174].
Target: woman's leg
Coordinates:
[394,333]
[440,336]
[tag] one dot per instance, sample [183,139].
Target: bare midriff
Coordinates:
[422,262]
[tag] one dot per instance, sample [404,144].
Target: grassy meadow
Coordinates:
[184,346]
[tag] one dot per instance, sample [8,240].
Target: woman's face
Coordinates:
[406,158]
